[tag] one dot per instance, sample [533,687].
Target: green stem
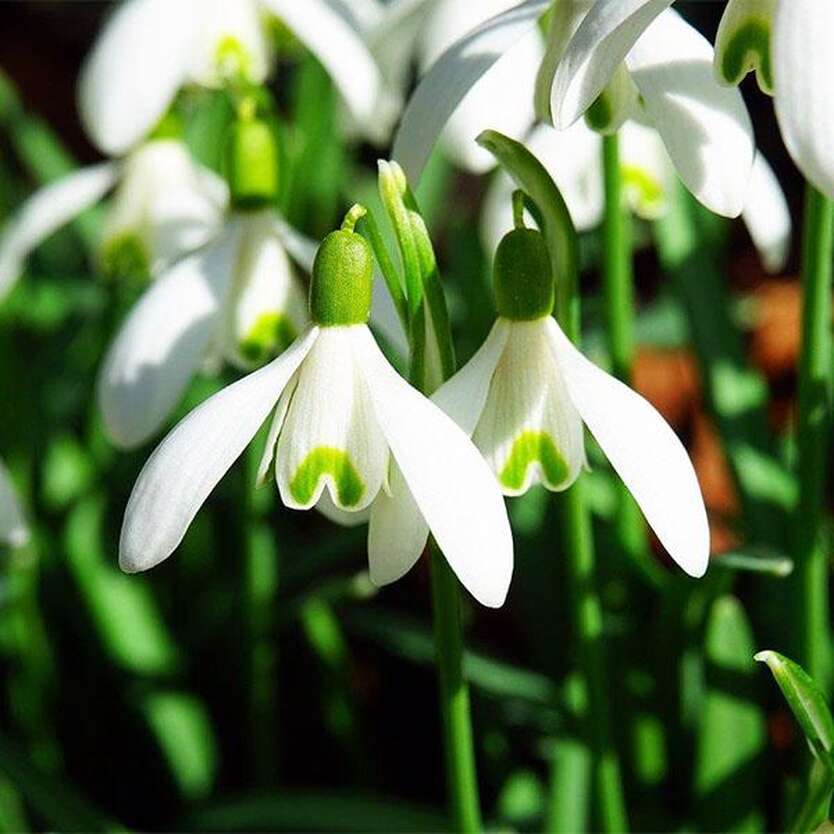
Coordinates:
[618,298]
[814,808]
[810,584]
[454,695]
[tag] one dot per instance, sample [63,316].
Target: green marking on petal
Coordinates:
[648,193]
[125,257]
[534,447]
[232,59]
[270,335]
[749,49]
[326,460]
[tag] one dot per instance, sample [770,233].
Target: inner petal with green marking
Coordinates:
[646,194]
[334,465]
[748,48]
[124,256]
[534,448]
[270,335]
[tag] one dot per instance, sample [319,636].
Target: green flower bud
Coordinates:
[523,277]
[251,164]
[340,289]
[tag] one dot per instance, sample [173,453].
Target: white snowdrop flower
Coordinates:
[150,48]
[164,204]
[524,396]
[622,59]
[572,157]
[341,417]
[14,531]
[788,44]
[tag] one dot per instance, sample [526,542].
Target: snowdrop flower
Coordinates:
[341,416]
[788,44]
[524,396]
[236,298]
[150,48]
[164,204]
[614,66]
[573,158]
[13,529]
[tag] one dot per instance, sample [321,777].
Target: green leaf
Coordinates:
[807,702]
[728,777]
[557,226]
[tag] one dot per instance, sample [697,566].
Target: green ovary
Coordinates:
[534,447]
[326,460]
[125,257]
[270,335]
[600,114]
[749,48]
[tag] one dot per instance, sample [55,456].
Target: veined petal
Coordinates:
[331,438]
[803,61]
[743,42]
[450,79]
[604,38]
[463,396]
[13,529]
[451,484]
[767,216]
[278,418]
[644,452]
[704,126]
[46,211]
[163,341]
[572,158]
[340,48]
[267,307]
[188,464]
[135,69]
[529,430]
[397,534]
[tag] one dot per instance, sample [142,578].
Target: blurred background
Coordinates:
[255,680]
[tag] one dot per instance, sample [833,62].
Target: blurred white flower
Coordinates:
[164,204]
[13,529]
[236,298]
[614,66]
[150,48]
[341,417]
[573,159]
[788,44]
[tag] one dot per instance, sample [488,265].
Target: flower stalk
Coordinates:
[810,603]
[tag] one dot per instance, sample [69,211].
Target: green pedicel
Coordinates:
[327,461]
[534,447]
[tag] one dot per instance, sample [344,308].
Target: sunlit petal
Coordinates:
[767,216]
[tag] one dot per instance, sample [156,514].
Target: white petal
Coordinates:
[644,452]
[331,439]
[135,69]
[449,480]
[743,42]
[647,172]
[13,529]
[450,79]
[463,396]
[494,101]
[163,341]
[602,41]
[46,211]
[704,126]
[331,512]
[267,307]
[529,431]
[803,62]
[188,464]
[341,50]
[397,534]
[301,248]
[278,418]
[767,216]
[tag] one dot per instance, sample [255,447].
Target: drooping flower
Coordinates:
[13,529]
[164,204]
[524,396]
[150,48]
[572,157]
[609,69]
[341,417]
[788,44]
